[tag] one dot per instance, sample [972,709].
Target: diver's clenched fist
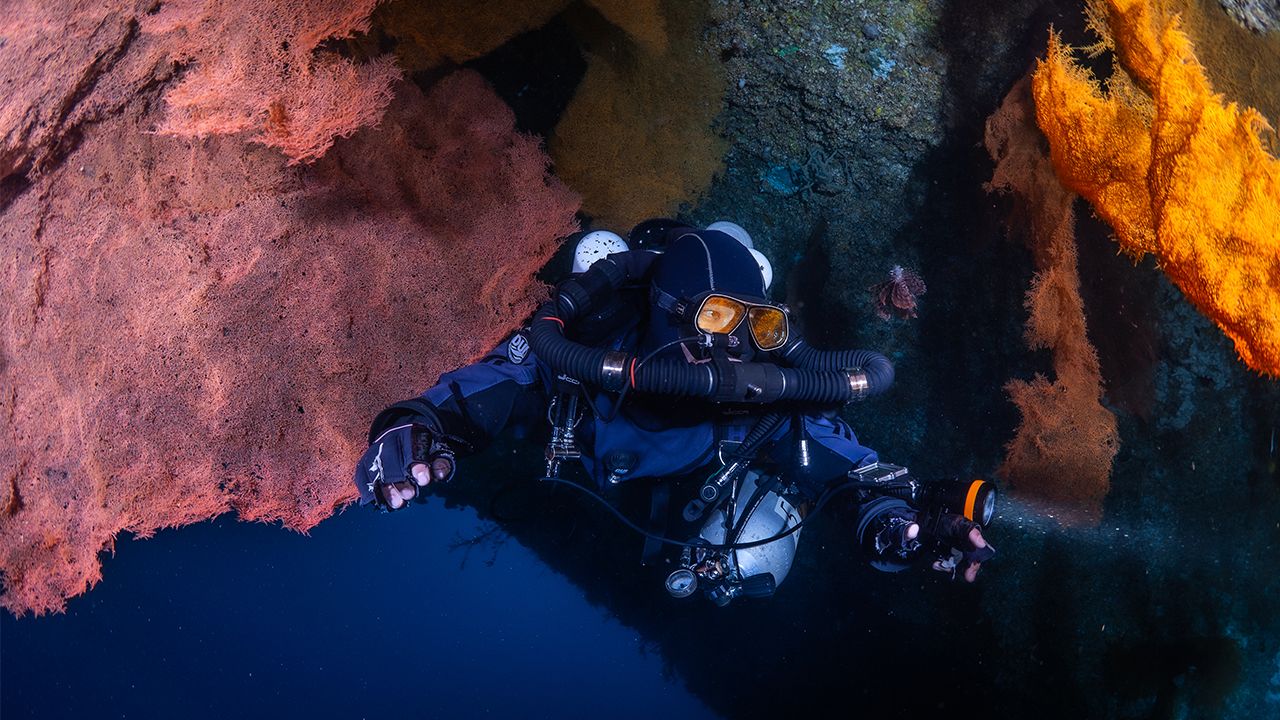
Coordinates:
[398,463]
[968,548]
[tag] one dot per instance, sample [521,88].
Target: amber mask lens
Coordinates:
[768,327]
[719,314]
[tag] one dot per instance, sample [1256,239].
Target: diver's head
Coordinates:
[709,282]
[733,230]
[739,233]
[657,233]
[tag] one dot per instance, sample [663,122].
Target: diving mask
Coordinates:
[722,314]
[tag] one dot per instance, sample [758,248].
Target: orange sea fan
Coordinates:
[1174,168]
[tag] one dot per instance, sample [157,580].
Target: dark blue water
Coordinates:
[371,616]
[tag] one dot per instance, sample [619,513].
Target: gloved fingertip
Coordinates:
[421,475]
[441,469]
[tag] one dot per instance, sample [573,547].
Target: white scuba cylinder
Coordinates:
[594,246]
[733,230]
[771,516]
[766,267]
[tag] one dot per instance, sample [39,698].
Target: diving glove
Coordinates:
[956,550]
[896,534]
[391,457]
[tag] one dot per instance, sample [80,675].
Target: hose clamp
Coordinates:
[859,385]
[612,377]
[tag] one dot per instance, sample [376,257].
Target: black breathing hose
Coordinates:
[759,432]
[816,376]
[732,382]
[617,405]
[877,367]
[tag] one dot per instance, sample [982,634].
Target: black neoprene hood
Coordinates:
[694,263]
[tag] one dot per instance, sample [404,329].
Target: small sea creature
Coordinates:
[897,295]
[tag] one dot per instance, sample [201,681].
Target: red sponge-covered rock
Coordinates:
[190,327]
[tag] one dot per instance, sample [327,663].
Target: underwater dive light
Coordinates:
[975,499]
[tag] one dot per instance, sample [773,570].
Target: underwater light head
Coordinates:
[974,499]
[946,514]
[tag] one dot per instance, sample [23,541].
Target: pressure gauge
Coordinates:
[682,583]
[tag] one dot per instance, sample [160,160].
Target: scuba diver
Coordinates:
[662,360]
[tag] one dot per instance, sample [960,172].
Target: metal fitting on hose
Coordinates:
[858,383]
[613,378]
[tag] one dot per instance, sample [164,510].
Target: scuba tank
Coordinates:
[759,514]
